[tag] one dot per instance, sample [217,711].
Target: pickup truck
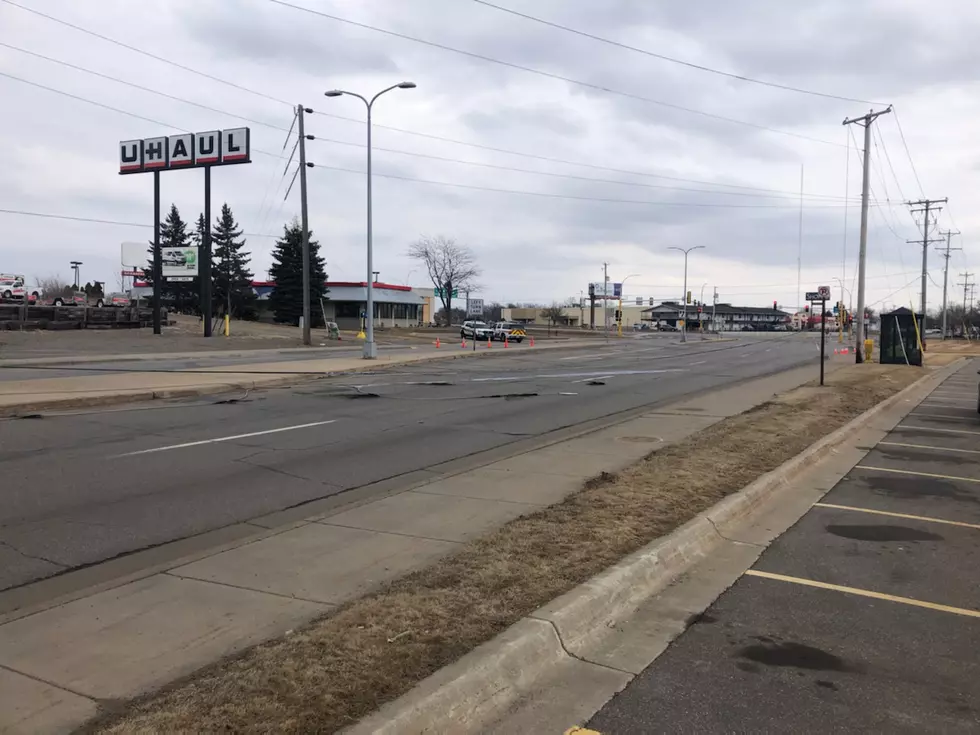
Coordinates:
[509,331]
[12,286]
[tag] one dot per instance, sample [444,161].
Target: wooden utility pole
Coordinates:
[865,121]
[945,253]
[926,206]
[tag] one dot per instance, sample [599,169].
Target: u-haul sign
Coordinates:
[185,150]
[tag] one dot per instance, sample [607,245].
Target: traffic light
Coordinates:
[806,308]
[699,308]
[619,316]
[774,306]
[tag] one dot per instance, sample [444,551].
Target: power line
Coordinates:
[672,60]
[564,161]
[141,87]
[145,53]
[909,155]
[574,177]
[547,74]
[111,108]
[549,195]
[95,220]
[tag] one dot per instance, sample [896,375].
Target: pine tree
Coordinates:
[173,234]
[232,279]
[286,299]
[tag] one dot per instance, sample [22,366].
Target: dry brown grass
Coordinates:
[372,650]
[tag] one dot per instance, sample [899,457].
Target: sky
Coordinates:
[591,154]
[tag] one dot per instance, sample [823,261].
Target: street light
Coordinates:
[701,310]
[75,264]
[684,298]
[619,324]
[370,348]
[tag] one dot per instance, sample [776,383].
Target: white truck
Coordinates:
[12,286]
[509,332]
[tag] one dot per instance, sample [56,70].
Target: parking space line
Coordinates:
[927,446]
[928,519]
[942,416]
[934,428]
[917,474]
[863,593]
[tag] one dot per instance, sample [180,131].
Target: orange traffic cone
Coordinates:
[488,343]
[438,345]
[506,342]
[532,342]
[464,343]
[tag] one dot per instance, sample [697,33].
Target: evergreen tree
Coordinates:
[286,299]
[182,296]
[232,289]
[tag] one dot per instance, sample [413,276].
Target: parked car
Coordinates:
[508,331]
[667,328]
[476,330]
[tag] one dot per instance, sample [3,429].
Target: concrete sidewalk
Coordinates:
[126,386]
[61,658]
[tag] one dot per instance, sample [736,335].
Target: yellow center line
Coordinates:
[926,446]
[917,474]
[935,428]
[864,593]
[928,519]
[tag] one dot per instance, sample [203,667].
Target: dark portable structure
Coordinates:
[900,338]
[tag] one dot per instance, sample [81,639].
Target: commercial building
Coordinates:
[719,318]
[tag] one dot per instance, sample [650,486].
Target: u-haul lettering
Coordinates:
[181,150]
[130,156]
[185,150]
[208,148]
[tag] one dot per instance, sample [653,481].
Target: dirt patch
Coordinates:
[345,665]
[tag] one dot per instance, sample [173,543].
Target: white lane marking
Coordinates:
[929,447]
[495,380]
[597,377]
[586,357]
[933,428]
[227,438]
[699,362]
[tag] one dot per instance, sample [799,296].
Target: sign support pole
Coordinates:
[204,260]
[823,333]
[157,255]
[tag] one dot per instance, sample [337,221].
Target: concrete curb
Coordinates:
[485,682]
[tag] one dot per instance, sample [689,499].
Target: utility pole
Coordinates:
[926,206]
[967,286]
[300,110]
[605,297]
[714,306]
[865,121]
[945,253]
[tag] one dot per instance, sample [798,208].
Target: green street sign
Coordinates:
[441,292]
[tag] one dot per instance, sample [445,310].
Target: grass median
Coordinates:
[373,649]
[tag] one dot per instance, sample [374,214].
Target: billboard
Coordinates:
[185,150]
[608,290]
[179,264]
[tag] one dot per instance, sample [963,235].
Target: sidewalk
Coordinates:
[122,387]
[60,659]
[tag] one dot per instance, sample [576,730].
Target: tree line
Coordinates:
[231,276]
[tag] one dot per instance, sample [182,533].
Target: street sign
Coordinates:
[824,292]
[813,296]
[474,307]
[441,292]
[181,279]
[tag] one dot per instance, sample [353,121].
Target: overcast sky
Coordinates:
[623,197]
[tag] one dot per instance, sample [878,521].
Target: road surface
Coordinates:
[87,486]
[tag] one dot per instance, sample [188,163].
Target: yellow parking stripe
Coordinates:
[917,474]
[864,593]
[927,446]
[928,519]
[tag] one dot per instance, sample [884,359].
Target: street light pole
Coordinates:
[619,324]
[701,311]
[75,265]
[684,296]
[370,348]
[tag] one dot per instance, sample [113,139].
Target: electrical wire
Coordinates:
[549,75]
[573,197]
[114,109]
[574,177]
[95,220]
[908,153]
[141,87]
[672,60]
[145,53]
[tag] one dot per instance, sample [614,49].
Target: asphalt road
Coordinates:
[864,617]
[85,487]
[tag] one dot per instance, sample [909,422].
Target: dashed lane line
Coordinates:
[227,438]
[863,593]
[928,519]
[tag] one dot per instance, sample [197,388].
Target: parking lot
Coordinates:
[863,617]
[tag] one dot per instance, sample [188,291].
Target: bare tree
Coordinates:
[52,285]
[449,264]
[555,314]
